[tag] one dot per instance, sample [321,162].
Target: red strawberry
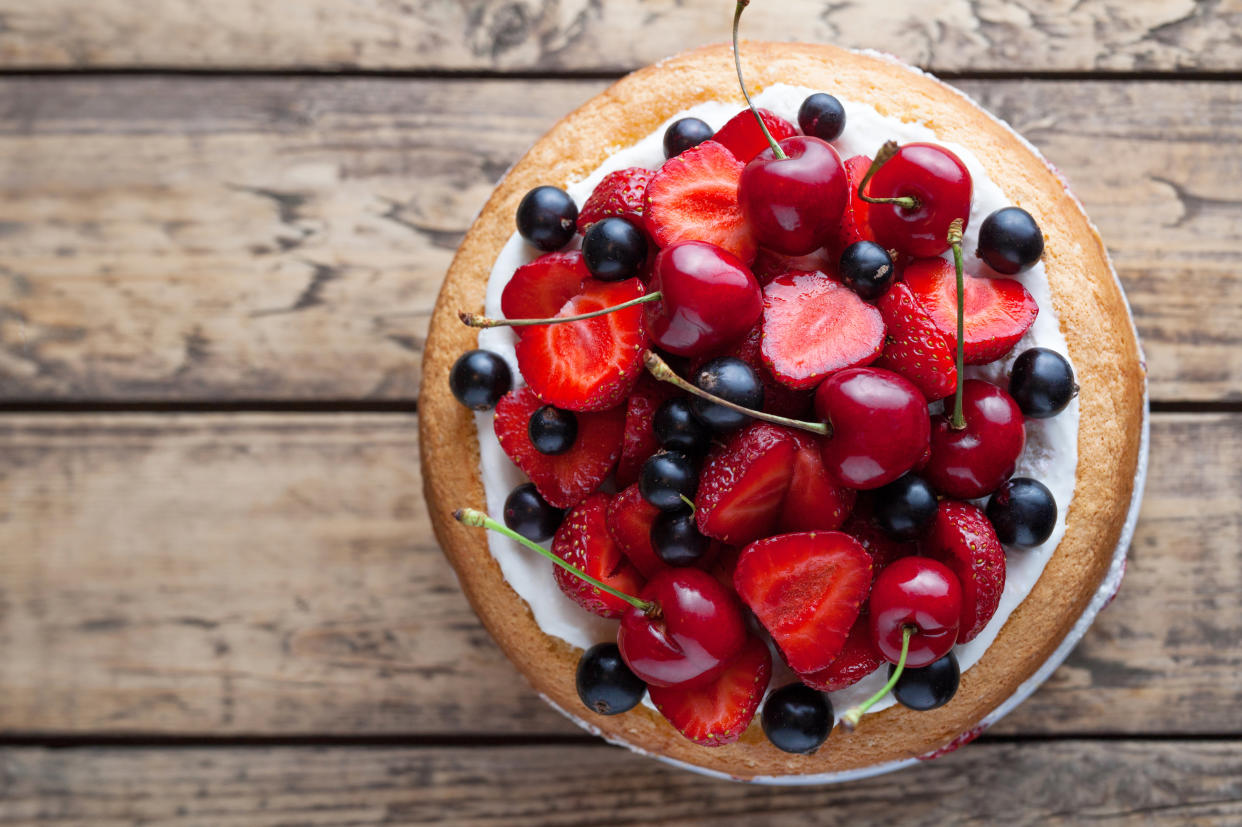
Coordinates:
[777,398]
[561,479]
[743,483]
[769,264]
[807,590]
[640,440]
[813,326]
[618,193]
[540,289]
[719,712]
[998,311]
[592,364]
[693,197]
[583,540]
[858,659]
[855,224]
[964,540]
[814,501]
[882,548]
[629,522]
[743,137]
[914,346]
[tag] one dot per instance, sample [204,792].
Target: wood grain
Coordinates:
[258,575]
[576,35]
[207,239]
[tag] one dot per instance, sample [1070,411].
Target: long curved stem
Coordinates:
[477,320]
[958,420]
[737,63]
[851,718]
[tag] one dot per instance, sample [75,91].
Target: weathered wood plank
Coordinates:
[542,35]
[206,239]
[1164,782]
[258,574]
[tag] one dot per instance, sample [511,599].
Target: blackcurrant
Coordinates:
[479,378]
[614,249]
[677,429]
[665,478]
[1023,512]
[529,514]
[929,687]
[867,269]
[676,538]
[546,217]
[797,718]
[1042,382]
[1010,241]
[685,133]
[605,684]
[732,380]
[552,430]
[905,507]
[823,116]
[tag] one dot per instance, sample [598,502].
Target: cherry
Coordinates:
[917,191]
[973,461]
[605,684]
[479,378]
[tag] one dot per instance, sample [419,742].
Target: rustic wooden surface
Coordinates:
[222,227]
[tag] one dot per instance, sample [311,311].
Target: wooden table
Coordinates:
[222,228]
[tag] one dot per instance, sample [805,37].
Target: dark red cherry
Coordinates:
[940,186]
[918,592]
[974,461]
[794,204]
[708,299]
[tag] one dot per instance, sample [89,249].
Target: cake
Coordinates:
[1082,313]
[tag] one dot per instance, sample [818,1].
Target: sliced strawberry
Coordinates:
[777,398]
[743,483]
[592,364]
[882,548]
[814,501]
[719,712]
[769,264]
[855,224]
[640,440]
[693,197]
[858,659]
[618,193]
[813,326]
[998,311]
[583,540]
[539,290]
[629,522]
[914,346]
[561,479]
[807,590]
[743,137]
[964,540]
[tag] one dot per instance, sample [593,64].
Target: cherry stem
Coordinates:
[477,320]
[851,718]
[882,157]
[688,502]
[471,517]
[958,421]
[737,62]
[658,368]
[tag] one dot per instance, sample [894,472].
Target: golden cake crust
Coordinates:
[1087,301]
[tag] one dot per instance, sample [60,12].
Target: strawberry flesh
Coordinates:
[814,502]
[539,290]
[629,521]
[619,193]
[858,659]
[769,264]
[743,483]
[640,441]
[964,540]
[583,541]
[743,137]
[719,712]
[914,346]
[693,197]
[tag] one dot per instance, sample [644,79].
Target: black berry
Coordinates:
[529,514]
[929,687]
[479,378]
[905,507]
[823,116]
[605,684]
[1042,382]
[1023,512]
[676,538]
[665,478]
[867,269]
[685,133]
[797,719]
[677,429]
[552,430]
[1010,241]
[732,380]
[614,249]
[546,218]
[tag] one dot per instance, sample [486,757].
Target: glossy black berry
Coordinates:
[529,514]
[1010,241]
[867,269]
[685,133]
[605,684]
[614,249]
[823,116]
[479,378]
[905,508]
[1042,382]
[732,380]
[666,477]
[547,218]
[929,687]
[678,429]
[797,718]
[552,430]
[1023,512]
[676,539]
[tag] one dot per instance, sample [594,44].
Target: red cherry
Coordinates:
[879,423]
[922,593]
[695,630]
[940,188]
[708,298]
[973,461]
[794,204]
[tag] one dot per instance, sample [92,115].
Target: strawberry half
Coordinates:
[561,479]
[592,364]
[814,501]
[618,193]
[769,264]
[858,659]
[583,540]
[743,483]
[814,326]
[640,440]
[719,712]
[743,137]
[629,521]
[914,346]
[693,197]
[539,290]
[855,220]
[964,540]
[807,590]
[998,310]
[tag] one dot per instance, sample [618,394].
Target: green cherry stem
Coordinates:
[882,157]
[851,718]
[479,320]
[737,62]
[477,519]
[688,502]
[658,368]
[957,422]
